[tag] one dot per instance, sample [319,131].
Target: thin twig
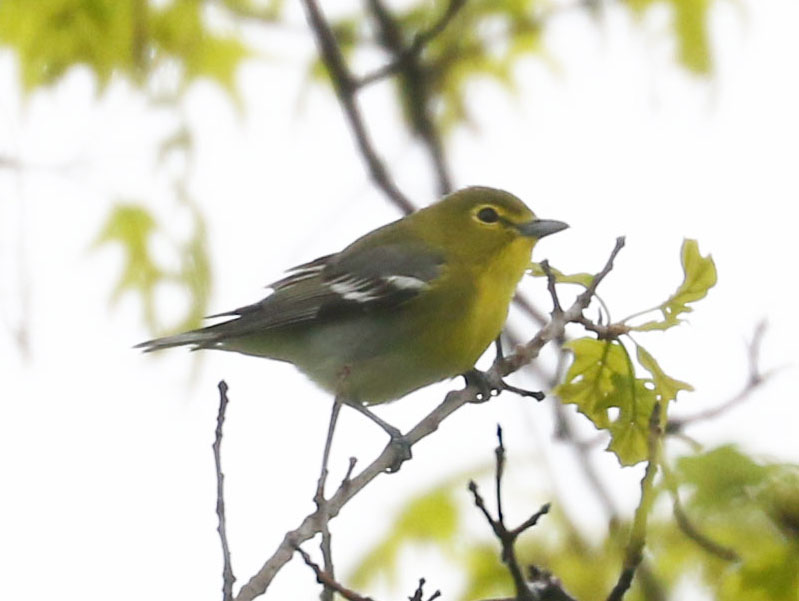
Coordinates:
[556,308]
[539,579]
[755,380]
[415,82]
[420,41]
[345,88]
[319,498]
[499,454]
[346,479]
[328,581]
[227,571]
[688,527]
[609,332]
[582,449]
[419,592]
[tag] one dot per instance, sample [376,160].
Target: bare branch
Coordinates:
[415,81]
[540,585]
[556,308]
[227,572]
[688,527]
[755,380]
[420,41]
[345,88]
[328,581]
[608,332]
[419,592]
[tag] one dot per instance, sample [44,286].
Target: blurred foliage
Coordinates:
[127,37]
[689,21]
[487,39]
[746,505]
[133,228]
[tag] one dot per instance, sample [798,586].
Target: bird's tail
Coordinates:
[199,338]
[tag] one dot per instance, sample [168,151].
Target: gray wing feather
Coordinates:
[352,282]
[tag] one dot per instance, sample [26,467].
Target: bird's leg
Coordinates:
[503,385]
[397,438]
[320,487]
[321,501]
[498,347]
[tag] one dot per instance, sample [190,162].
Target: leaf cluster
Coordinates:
[125,37]
[603,379]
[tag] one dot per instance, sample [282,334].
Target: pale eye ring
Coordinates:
[487,215]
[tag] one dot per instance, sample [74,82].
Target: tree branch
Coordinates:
[345,88]
[227,571]
[420,41]
[328,581]
[756,379]
[540,584]
[415,86]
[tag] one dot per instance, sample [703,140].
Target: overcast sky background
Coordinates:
[105,457]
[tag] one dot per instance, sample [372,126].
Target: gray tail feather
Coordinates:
[199,338]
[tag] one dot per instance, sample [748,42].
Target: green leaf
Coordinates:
[602,377]
[178,31]
[194,274]
[429,518]
[699,275]
[589,380]
[666,387]
[50,37]
[689,24]
[486,577]
[771,575]
[128,37]
[583,279]
[630,430]
[719,477]
[131,226]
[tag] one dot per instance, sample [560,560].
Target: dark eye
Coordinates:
[487,215]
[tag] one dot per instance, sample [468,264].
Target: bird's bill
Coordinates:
[538,228]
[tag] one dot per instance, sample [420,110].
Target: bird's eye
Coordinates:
[487,215]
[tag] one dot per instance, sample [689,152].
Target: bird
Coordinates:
[408,304]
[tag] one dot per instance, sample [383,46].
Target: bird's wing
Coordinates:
[359,279]
[347,283]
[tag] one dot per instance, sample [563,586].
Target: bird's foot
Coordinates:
[489,384]
[403,452]
[398,440]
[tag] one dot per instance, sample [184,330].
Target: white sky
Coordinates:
[105,456]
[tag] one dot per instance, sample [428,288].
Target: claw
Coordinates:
[489,385]
[403,446]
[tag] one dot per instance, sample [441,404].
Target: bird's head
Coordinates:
[484,221]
